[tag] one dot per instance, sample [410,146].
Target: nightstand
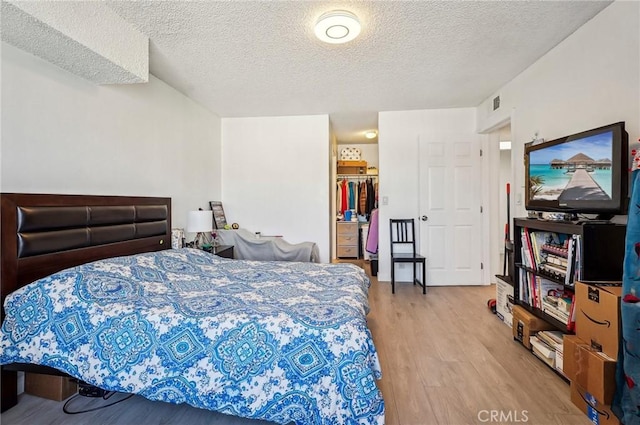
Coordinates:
[224,251]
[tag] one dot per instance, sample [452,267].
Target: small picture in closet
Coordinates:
[219,220]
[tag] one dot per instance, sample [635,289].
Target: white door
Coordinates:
[449,205]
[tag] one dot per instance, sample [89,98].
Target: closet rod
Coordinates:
[358,181]
[355,177]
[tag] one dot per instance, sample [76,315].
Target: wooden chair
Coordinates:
[402,233]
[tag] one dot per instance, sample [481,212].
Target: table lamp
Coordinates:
[199,222]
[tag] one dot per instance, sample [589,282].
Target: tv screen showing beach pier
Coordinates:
[575,170]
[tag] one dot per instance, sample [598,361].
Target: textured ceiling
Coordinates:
[261,58]
[87,39]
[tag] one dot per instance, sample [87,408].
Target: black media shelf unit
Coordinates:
[505,279]
[602,255]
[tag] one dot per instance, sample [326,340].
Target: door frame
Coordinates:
[490,161]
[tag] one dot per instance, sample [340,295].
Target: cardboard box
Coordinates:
[570,347]
[504,301]
[526,324]
[352,167]
[49,386]
[590,369]
[598,316]
[352,163]
[596,412]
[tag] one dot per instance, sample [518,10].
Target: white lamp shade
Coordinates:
[199,221]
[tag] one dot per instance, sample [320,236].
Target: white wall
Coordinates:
[63,134]
[398,138]
[589,80]
[276,177]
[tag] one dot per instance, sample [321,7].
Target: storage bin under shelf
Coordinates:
[347,239]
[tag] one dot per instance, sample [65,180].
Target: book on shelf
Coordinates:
[527,251]
[526,293]
[556,271]
[559,305]
[543,351]
[542,346]
[559,250]
[536,248]
[523,256]
[543,237]
[551,362]
[528,280]
[535,288]
[550,253]
[571,261]
[522,285]
[553,339]
[548,259]
[560,317]
[546,289]
[556,260]
[577,262]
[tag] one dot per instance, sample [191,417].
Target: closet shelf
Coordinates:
[357,175]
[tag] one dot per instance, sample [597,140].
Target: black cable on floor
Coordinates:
[105,397]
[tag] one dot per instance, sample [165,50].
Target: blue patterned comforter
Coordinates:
[281,341]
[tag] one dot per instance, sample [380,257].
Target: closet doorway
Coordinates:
[355,183]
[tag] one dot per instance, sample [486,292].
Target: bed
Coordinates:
[281,341]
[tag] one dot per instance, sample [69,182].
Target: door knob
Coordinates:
[424,218]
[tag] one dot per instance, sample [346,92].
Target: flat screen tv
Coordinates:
[585,173]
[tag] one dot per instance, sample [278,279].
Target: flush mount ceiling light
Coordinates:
[337,26]
[371,134]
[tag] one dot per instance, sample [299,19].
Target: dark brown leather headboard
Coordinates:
[44,230]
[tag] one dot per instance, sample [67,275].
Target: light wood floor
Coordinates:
[445,360]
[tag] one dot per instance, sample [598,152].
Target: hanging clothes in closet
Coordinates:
[358,194]
[344,203]
[362,200]
[371,197]
[353,190]
[372,237]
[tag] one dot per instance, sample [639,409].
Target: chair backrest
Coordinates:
[402,232]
